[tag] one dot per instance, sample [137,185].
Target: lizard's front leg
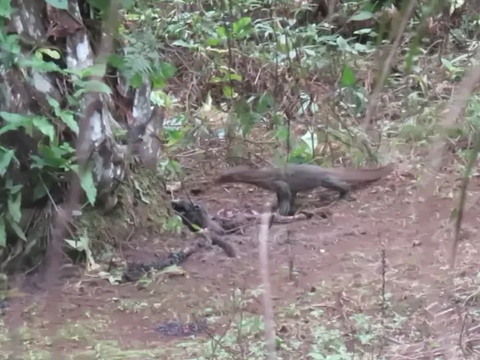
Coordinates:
[285,197]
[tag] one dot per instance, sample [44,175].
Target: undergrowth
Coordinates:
[245,81]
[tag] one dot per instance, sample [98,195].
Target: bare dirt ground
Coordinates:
[330,304]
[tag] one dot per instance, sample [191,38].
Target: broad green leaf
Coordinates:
[342,43]
[158,82]
[265,103]
[59,4]
[362,15]
[164,72]
[65,115]
[13,189]
[243,22]
[103,5]
[3,233]
[348,77]
[213,41]
[95,70]
[76,244]
[447,64]
[16,120]
[5,159]
[39,65]
[136,80]
[94,86]
[317,356]
[69,120]
[39,191]
[228,92]
[168,70]
[53,53]
[116,61]
[10,127]
[55,156]
[13,118]
[221,32]
[239,26]
[5,11]
[88,185]
[45,126]
[183,44]
[234,77]
[18,230]
[14,207]
[363,31]
[127,4]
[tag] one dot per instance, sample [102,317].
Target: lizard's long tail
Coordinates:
[242,174]
[354,176]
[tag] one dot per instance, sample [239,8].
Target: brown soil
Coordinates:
[340,253]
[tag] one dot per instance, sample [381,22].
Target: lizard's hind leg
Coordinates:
[343,188]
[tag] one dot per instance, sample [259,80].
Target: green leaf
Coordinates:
[221,32]
[3,233]
[363,31]
[5,11]
[95,70]
[228,92]
[93,86]
[18,230]
[348,77]
[234,77]
[13,118]
[88,185]
[183,43]
[127,4]
[69,120]
[53,53]
[265,103]
[244,21]
[239,26]
[362,15]
[13,189]
[65,116]
[447,64]
[54,156]
[45,127]
[39,65]
[103,5]
[39,191]
[168,70]
[16,120]
[116,61]
[59,4]
[5,159]
[342,44]
[136,80]
[213,41]
[14,207]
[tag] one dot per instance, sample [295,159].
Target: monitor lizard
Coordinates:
[287,181]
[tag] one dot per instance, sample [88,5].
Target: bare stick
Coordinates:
[267,291]
[456,107]
[373,100]
[463,198]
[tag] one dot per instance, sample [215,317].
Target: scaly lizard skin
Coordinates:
[287,181]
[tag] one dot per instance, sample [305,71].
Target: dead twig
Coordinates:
[268,318]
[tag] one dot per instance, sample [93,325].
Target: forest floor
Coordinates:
[330,304]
